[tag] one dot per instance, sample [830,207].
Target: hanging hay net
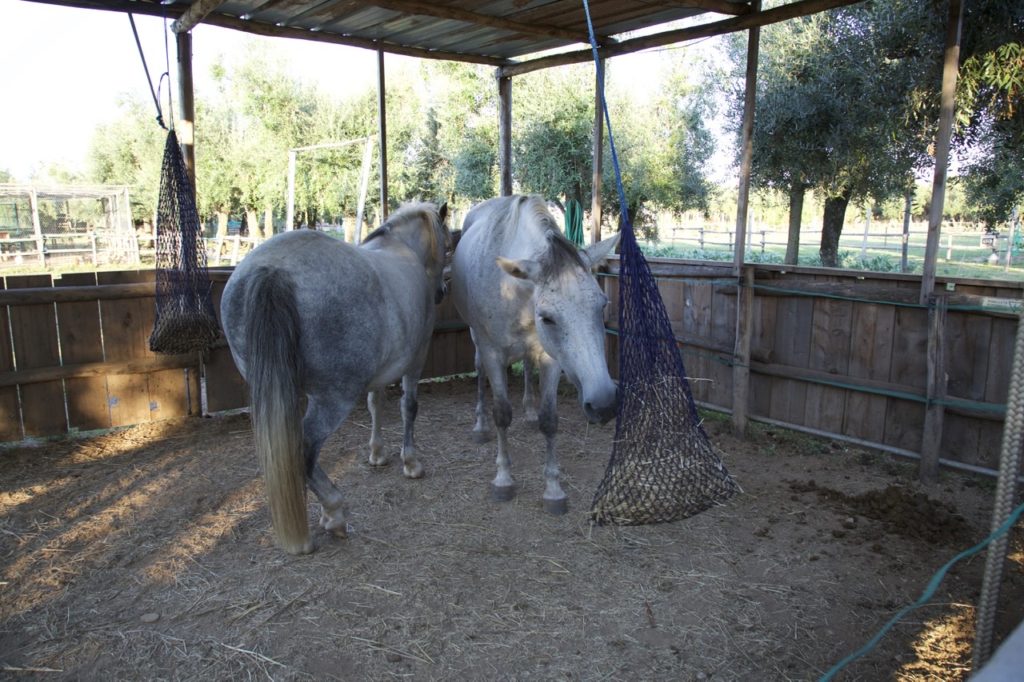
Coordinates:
[663,466]
[185,321]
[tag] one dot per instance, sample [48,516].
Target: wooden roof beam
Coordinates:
[194,15]
[791,11]
[716,6]
[457,14]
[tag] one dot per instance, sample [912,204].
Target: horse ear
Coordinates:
[597,253]
[443,211]
[520,269]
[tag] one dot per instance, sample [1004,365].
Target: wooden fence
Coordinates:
[846,354]
[74,357]
[832,352]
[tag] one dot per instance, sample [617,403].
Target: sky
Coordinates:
[63,71]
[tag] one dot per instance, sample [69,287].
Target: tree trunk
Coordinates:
[832,228]
[268,222]
[252,222]
[796,208]
[222,224]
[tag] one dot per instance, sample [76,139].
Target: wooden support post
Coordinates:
[907,206]
[934,415]
[741,355]
[595,200]
[289,211]
[949,75]
[747,143]
[505,134]
[194,15]
[364,182]
[382,129]
[187,106]
[33,202]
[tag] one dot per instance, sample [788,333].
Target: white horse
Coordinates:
[311,319]
[528,293]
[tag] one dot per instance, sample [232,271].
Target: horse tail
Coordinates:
[274,371]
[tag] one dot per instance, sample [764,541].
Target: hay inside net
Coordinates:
[663,466]
[185,321]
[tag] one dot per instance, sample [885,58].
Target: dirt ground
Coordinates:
[146,554]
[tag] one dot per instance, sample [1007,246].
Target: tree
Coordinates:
[843,106]
[990,103]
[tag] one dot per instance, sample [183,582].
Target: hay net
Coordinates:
[663,466]
[185,321]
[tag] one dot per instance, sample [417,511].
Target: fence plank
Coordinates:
[127,325]
[225,388]
[81,342]
[34,330]
[722,331]
[792,347]
[831,329]
[870,358]
[10,408]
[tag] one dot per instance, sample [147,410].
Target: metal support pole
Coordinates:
[364,182]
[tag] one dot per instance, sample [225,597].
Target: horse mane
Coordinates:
[412,212]
[561,253]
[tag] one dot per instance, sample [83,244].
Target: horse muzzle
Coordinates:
[600,409]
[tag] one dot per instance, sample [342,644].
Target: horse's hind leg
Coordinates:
[555,500]
[411,467]
[323,416]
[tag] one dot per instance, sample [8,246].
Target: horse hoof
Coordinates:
[483,436]
[531,418]
[503,493]
[556,507]
[379,460]
[414,470]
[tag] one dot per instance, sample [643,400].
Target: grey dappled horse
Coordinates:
[528,293]
[311,319]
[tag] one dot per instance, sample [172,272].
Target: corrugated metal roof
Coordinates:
[493,31]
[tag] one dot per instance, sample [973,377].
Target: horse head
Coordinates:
[568,307]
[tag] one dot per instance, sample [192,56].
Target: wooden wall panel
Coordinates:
[81,341]
[225,388]
[696,322]
[10,407]
[723,335]
[792,344]
[127,324]
[34,332]
[831,329]
[871,341]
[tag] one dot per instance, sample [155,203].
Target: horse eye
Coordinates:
[546,319]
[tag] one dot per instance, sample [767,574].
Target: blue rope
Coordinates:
[928,593]
[623,206]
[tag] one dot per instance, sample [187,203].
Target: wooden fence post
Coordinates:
[935,411]
[741,356]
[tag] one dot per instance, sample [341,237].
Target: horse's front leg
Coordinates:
[503,485]
[482,431]
[323,417]
[411,467]
[555,501]
[529,408]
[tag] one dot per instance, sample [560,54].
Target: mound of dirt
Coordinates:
[902,511]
